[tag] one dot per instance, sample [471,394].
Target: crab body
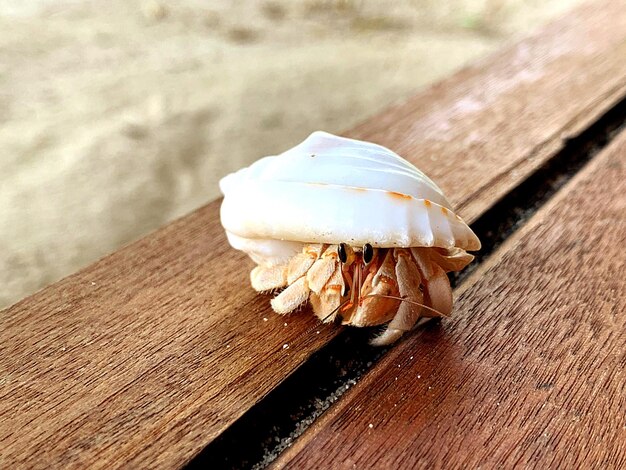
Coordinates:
[350,226]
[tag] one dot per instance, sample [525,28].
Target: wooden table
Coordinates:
[161,355]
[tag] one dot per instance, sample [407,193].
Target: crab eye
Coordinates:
[368,253]
[343,254]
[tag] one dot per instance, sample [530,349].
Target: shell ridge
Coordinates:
[272,166]
[449,239]
[338,154]
[431,238]
[376,164]
[376,160]
[366,198]
[377,178]
[356,143]
[320,143]
[324,208]
[383,171]
[366,153]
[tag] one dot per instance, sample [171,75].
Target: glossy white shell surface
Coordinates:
[331,189]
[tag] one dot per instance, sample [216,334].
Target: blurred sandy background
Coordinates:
[118,116]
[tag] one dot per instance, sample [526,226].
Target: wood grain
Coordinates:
[531,372]
[482,130]
[149,354]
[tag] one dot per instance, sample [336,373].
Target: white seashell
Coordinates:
[331,189]
[350,226]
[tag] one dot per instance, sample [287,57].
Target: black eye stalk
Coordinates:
[343,254]
[368,253]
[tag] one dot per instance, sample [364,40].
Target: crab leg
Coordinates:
[266,278]
[302,262]
[372,308]
[437,290]
[408,313]
[303,270]
[450,259]
[320,272]
[292,297]
[328,299]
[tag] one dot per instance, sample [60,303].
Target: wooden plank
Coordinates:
[149,354]
[532,374]
[484,129]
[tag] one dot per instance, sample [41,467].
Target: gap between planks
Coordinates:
[532,375]
[273,424]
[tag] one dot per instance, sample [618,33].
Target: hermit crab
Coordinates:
[350,226]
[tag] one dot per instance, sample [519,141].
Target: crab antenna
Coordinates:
[409,301]
[346,276]
[361,281]
[358,283]
[335,311]
[355,284]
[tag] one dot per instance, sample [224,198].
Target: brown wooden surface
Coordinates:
[533,373]
[482,130]
[149,354]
